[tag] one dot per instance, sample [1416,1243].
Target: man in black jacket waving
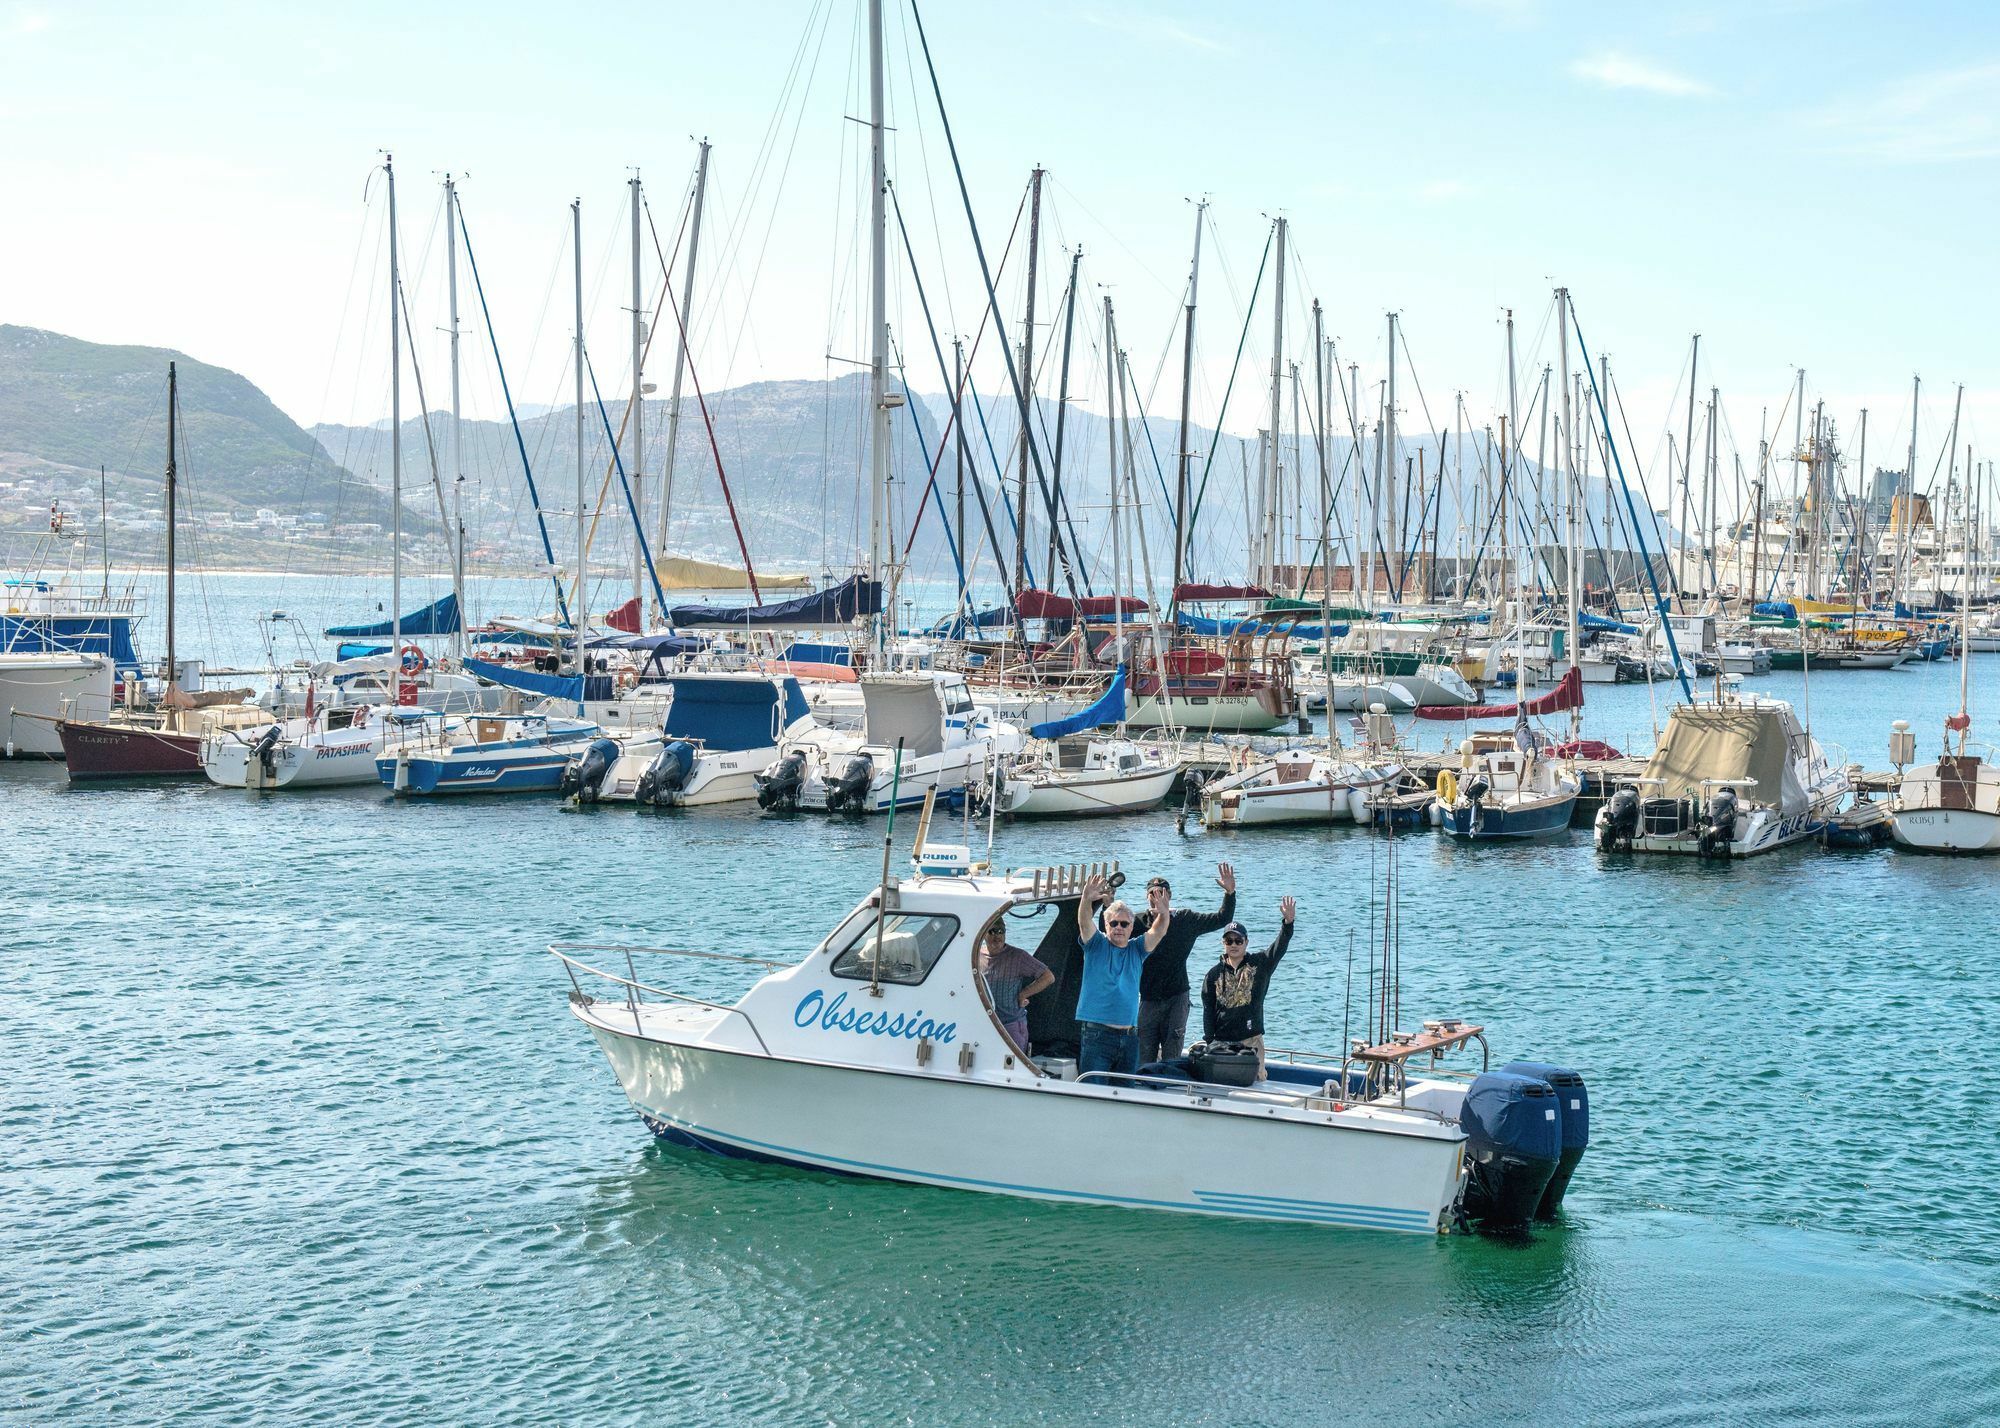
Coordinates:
[1163,985]
[1232,994]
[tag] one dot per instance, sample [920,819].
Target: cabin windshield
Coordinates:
[910,944]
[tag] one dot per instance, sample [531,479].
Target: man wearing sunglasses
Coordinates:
[1107,1004]
[1232,994]
[1163,985]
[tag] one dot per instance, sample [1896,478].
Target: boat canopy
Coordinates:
[1707,742]
[1109,709]
[1041,605]
[731,713]
[440,617]
[837,605]
[905,709]
[681,572]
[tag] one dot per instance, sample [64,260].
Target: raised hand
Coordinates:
[1225,877]
[1094,890]
[1287,907]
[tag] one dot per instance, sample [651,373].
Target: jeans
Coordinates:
[1162,1028]
[1105,1049]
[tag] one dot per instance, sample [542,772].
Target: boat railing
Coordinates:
[1207,1092]
[637,991]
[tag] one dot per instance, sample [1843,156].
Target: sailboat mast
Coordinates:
[1904,527]
[1271,484]
[173,413]
[878,324]
[958,442]
[637,465]
[1182,494]
[1572,496]
[579,616]
[395,446]
[457,433]
[1394,553]
[1118,581]
[1687,474]
[1028,382]
[686,326]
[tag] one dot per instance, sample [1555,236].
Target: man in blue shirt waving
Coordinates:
[1107,1006]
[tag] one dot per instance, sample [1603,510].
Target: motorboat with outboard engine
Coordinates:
[1505,787]
[515,753]
[721,731]
[888,1020]
[920,732]
[1731,777]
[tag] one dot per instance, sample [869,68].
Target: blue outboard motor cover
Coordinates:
[1572,1115]
[1514,1143]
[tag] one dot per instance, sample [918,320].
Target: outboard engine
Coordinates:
[584,775]
[847,792]
[1718,829]
[778,786]
[1513,1145]
[1618,821]
[663,780]
[1476,789]
[264,750]
[1572,1115]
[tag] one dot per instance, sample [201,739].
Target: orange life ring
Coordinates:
[413,661]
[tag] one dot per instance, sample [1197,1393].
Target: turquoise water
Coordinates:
[297,1129]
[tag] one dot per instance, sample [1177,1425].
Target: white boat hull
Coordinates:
[1086,793]
[1205,714]
[1253,799]
[717,778]
[1035,1138]
[1947,830]
[343,757]
[35,690]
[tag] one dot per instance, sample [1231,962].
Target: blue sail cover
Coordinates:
[731,715]
[529,681]
[440,617]
[1589,621]
[841,604]
[1251,625]
[1110,709]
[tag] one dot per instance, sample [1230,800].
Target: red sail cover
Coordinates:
[1041,605]
[1566,695]
[1193,591]
[625,617]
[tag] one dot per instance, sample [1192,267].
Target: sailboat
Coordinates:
[1070,772]
[162,739]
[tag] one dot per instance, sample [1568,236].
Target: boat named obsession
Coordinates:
[879,1054]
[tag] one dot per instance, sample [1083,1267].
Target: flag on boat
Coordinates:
[440,617]
[1568,694]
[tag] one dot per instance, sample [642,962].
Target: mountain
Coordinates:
[68,407]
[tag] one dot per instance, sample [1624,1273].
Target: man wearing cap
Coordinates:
[1163,985]
[1107,1004]
[1232,994]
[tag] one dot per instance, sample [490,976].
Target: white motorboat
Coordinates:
[919,732]
[1079,776]
[721,732]
[1298,785]
[39,688]
[878,1054]
[1732,776]
[1505,787]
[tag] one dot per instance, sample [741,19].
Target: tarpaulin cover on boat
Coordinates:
[1195,590]
[730,713]
[905,709]
[1338,612]
[1251,625]
[680,572]
[841,604]
[347,651]
[440,617]
[1707,741]
[805,652]
[1041,605]
[1601,622]
[528,681]
[1109,709]
[1568,694]
[625,617]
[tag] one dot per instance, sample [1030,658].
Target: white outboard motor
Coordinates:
[583,777]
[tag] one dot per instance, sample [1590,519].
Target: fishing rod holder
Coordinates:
[1067,879]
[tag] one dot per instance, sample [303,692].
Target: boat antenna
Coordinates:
[992,810]
[1347,997]
[882,902]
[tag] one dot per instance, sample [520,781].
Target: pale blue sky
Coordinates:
[1804,183]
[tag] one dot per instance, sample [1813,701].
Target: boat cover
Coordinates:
[626,617]
[1281,603]
[440,617]
[731,713]
[1109,709]
[905,709]
[553,686]
[1568,694]
[1601,622]
[1709,741]
[1196,590]
[840,604]
[1041,605]
[347,651]
[1251,625]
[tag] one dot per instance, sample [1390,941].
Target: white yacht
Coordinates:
[919,732]
[720,732]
